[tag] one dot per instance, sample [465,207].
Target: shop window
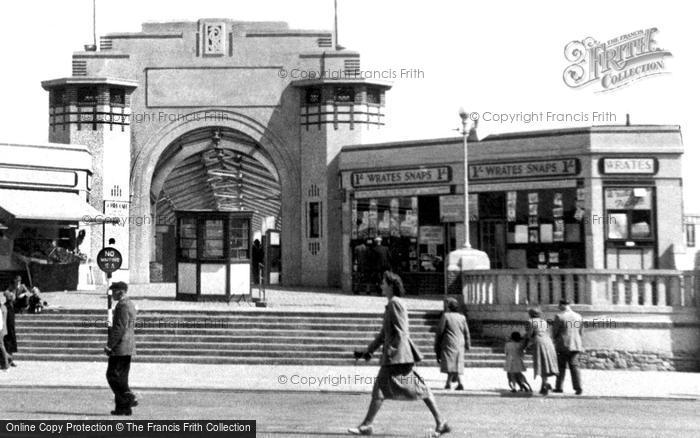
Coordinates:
[213,239]
[429,207]
[188,238]
[239,237]
[314,220]
[374,95]
[57,96]
[116,96]
[629,221]
[87,95]
[344,94]
[629,214]
[313,95]
[690,235]
[640,225]
[542,228]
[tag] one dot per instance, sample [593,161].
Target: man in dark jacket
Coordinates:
[120,347]
[381,261]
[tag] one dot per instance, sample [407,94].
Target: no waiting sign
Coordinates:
[109,259]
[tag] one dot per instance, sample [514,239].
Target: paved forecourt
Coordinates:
[303,414]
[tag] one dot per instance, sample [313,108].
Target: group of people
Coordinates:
[398,380]
[370,263]
[15,299]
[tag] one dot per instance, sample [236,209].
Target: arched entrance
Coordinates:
[232,164]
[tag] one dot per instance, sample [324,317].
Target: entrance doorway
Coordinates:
[492,240]
[211,169]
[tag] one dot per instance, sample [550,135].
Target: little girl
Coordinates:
[514,365]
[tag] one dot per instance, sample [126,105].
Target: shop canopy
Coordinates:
[37,205]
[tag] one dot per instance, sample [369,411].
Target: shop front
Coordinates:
[565,199]
[410,228]
[44,193]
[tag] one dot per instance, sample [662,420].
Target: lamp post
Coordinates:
[465,134]
[465,258]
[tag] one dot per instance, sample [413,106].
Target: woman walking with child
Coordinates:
[543,354]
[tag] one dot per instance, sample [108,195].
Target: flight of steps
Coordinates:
[244,337]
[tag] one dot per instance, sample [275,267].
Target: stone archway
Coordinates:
[144,166]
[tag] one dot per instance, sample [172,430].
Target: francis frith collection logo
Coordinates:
[616,62]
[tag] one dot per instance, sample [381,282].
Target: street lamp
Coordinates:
[465,134]
[465,258]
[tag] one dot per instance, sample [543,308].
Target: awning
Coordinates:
[46,206]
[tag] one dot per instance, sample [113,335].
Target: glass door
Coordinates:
[492,240]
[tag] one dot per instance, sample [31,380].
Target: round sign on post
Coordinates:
[109,260]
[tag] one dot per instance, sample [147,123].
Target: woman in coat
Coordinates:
[397,380]
[451,340]
[544,355]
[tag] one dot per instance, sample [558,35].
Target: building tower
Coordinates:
[95,112]
[334,113]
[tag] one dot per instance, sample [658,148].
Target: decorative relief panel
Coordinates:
[214,38]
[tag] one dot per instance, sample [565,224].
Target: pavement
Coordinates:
[342,379]
[316,415]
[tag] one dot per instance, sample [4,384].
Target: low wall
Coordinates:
[614,337]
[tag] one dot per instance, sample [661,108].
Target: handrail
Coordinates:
[619,287]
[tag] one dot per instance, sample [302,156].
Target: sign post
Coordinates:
[109,260]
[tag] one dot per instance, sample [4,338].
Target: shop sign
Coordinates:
[644,166]
[431,235]
[417,175]
[452,208]
[524,169]
[118,230]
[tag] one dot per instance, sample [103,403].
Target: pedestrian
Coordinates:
[362,266]
[257,259]
[36,302]
[515,365]
[544,355]
[397,380]
[381,262]
[120,347]
[11,294]
[451,340]
[3,331]
[20,295]
[568,333]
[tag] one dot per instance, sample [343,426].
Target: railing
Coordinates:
[649,288]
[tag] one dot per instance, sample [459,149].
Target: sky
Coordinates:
[489,57]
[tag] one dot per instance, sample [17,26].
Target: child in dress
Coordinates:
[514,365]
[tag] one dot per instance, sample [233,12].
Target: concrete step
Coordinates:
[280,325]
[234,313]
[230,339]
[217,360]
[157,348]
[236,337]
[218,332]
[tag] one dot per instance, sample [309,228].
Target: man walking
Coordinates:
[120,347]
[567,330]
